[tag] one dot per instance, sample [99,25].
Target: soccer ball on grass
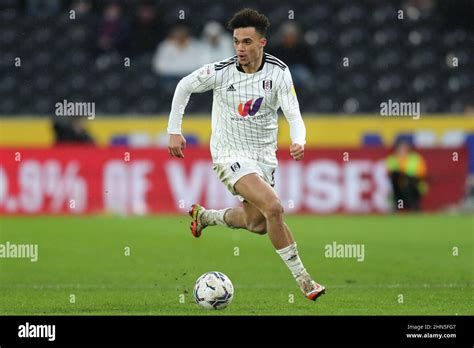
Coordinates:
[213,290]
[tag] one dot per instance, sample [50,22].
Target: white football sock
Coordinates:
[289,254]
[212,217]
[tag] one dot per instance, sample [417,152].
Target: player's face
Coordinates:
[248,45]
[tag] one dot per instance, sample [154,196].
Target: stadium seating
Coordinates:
[425,139]
[453,138]
[372,139]
[470,148]
[406,137]
[405,60]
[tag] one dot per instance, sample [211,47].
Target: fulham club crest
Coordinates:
[267,85]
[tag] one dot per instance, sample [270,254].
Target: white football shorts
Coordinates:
[229,173]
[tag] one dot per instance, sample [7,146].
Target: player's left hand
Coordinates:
[297,152]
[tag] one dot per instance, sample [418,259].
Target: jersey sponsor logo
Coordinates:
[231,88]
[248,109]
[235,167]
[267,85]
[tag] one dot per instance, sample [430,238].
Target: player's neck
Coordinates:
[254,66]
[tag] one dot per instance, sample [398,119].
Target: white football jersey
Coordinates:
[244,108]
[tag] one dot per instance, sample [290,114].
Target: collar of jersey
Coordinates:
[239,68]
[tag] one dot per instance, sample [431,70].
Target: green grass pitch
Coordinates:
[408,255]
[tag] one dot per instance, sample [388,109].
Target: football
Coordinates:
[213,290]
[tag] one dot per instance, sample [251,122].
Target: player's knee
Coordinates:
[257,226]
[274,209]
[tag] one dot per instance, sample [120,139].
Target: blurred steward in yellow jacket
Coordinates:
[407,172]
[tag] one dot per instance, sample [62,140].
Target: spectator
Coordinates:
[145,33]
[469,108]
[422,5]
[216,44]
[178,55]
[113,30]
[71,132]
[82,8]
[296,53]
[407,172]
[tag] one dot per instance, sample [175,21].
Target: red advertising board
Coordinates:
[85,180]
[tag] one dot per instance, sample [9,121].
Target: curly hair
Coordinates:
[250,18]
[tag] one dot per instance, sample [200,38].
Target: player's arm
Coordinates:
[291,109]
[199,81]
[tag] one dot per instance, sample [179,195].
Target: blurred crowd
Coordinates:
[408,61]
[176,51]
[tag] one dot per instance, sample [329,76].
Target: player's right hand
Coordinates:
[176,145]
[297,152]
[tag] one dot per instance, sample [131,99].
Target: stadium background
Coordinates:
[348,58]
[107,54]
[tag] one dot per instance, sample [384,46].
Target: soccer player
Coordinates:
[248,90]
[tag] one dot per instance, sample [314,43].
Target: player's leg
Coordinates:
[248,217]
[261,195]
[262,205]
